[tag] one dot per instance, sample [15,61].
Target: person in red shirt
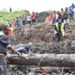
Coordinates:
[54,14]
[33,17]
[50,19]
[53,17]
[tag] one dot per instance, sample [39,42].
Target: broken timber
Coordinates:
[60,60]
[51,69]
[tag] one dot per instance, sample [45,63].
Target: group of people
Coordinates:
[59,21]
[23,20]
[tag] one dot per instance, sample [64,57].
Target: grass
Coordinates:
[4,15]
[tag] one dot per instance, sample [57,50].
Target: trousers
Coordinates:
[3,65]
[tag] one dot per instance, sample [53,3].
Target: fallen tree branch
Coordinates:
[61,60]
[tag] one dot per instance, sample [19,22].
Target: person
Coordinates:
[62,12]
[29,20]
[18,22]
[59,29]
[24,20]
[14,23]
[24,48]
[10,10]
[4,46]
[66,10]
[11,34]
[33,17]
[74,14]
[8,23]
[71,10]
[50,19]
[53,18]
[66,20]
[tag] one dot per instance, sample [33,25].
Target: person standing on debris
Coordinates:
[71,10]
[24,20]
[11,34]
[62,12]
[10,10]
[64,16]
[14,23]
[8,23]
[59,29]
[53,18]
[74,13]
[4,44]
[33,17]
[29,20]
[50,19]
[66,20]
[18,22]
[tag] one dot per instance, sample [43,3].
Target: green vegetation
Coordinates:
[4,15]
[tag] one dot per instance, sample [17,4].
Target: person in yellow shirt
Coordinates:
[59,29]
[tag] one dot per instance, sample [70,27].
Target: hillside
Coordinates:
[4,15]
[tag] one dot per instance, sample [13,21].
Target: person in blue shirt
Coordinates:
[70,10]
[22,48]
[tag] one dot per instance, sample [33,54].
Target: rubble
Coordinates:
[43,41]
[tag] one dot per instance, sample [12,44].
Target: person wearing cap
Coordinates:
[4,46]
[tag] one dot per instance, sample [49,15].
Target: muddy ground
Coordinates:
[43,41]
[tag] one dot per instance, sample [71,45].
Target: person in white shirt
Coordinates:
[29,19]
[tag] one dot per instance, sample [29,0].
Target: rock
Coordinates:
[67,74]
[54,73]
[73,43]
[31,73]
